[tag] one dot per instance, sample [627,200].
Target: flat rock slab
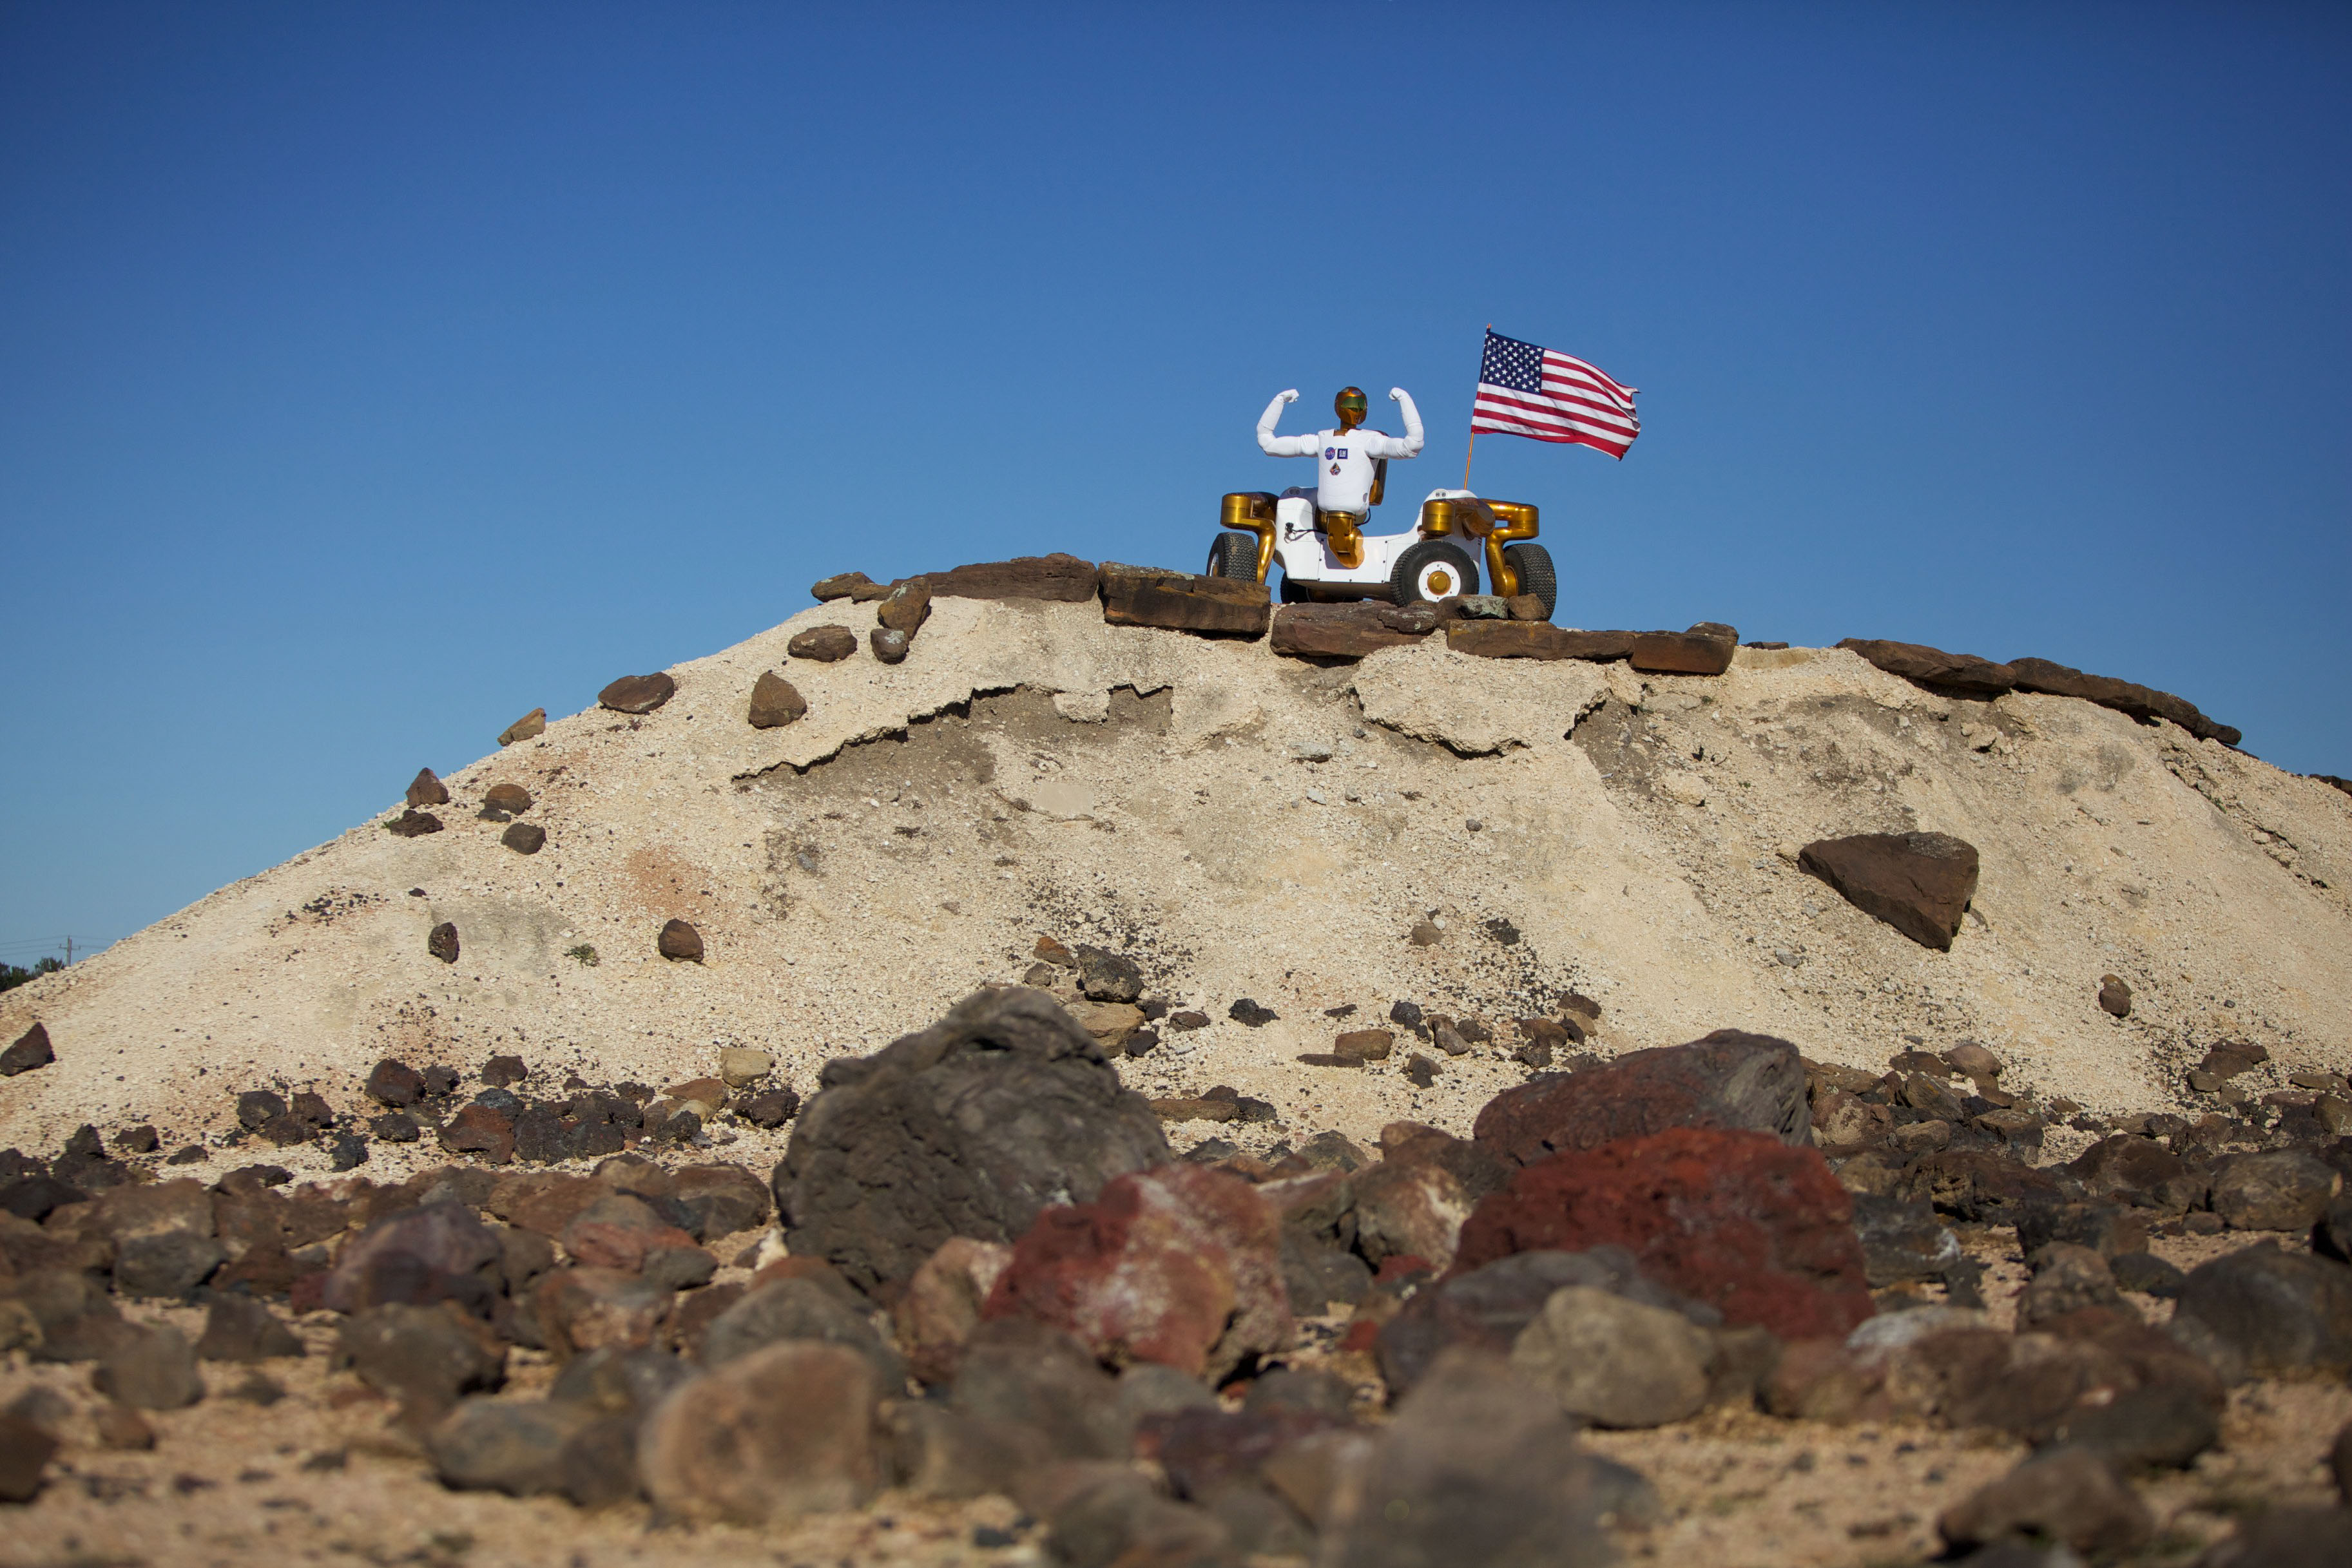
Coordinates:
[1177,601]
[1349,630]
[1964,674]
[1056,576]
[1532,639]
[638,694]
[1692,652]
[530,725]
[1920,884]
[2142,703]
[825,644]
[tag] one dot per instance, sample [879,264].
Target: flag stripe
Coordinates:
[1525,389]
[1515,405]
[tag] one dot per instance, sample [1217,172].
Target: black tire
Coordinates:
[1294,591]
[1234,555]
[1414,579]
[1532,564]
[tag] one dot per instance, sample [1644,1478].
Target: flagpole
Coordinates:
[1471,451]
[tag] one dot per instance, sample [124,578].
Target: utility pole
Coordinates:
[68,952]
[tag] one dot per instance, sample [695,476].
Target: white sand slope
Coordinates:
[1246,825]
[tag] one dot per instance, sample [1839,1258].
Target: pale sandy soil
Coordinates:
[1245,826]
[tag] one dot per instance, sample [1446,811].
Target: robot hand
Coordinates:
[1396,394]
[1290,396]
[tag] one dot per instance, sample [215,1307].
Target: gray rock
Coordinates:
[2276,1189]
[2147,1274]
[969,1128]
[425,1357]
[1150,1388]
[1488,1308]
[2067,1278]
[1613,1362]
[1107,977]
[599,1463]
[25,1449]
[1113,1515]
[2157,1425]
[939,1452]
[240,1329]
[512,1445]
[172,1264]
[889,645]
[2067,1495]
[2265,1312]
[1902,1240]
[1477,1470]
[800,1310]
[150,1369]
[2138,1171]
[2285,1538]
[1026,1373]
[620,1382]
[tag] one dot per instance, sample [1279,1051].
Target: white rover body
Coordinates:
[1435,558]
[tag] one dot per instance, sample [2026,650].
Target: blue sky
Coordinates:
[369,375]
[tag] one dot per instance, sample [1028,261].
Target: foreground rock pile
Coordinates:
[981,1271]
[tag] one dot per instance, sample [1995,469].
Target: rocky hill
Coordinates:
[1479,837]
[1047,1063]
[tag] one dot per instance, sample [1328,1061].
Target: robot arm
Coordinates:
[1274,445]
[1409,445]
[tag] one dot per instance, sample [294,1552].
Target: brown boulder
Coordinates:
[1920,884]
[1705,650]
[825,644]
[1349,630]
[506,798]
[942,1304]
[890,647]
[1749,1082]
[638,694]
[533,723]
[2142,703]
[441,942]
[775,702]
[2115,995]
[30,1050]
[841,585]
[680,942]
[524,838]
[2068,1495]
[1064,578]
[784,1431]
[412,823]
[1739,1221]
[1177,601]
[905,608]
[425,789]
[1961,674]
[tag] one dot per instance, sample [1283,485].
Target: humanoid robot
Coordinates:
[1347,454]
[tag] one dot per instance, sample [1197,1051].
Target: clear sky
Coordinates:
[371,374]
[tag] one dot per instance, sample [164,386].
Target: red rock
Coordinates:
[1179,1265]
[1758,1231]
[1730,1080]
[1059,576]
[1704,650]
[480,1130]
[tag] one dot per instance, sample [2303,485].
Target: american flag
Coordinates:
[1526,391]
